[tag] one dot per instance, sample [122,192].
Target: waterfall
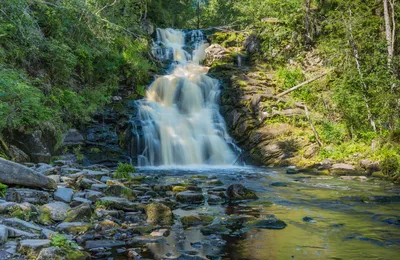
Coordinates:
[179,117]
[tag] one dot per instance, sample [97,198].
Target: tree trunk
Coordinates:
[390,33]
[358,65]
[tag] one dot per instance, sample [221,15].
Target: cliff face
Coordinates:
[250,108]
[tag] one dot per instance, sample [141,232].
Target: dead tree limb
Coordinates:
[302,84]
[312,125]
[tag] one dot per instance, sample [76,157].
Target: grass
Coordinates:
[124,170]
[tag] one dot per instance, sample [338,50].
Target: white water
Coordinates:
[180,119]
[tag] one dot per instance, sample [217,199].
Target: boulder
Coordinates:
[196,220]
[120,203]
[79,213]
[251,44]
[91,244]
[32,247]
[17,154]
[3,234]
[343,169]
[72,137]
[73,227]
[239,192]
[64,194]
[56,210]
[216,52]
[190,197]
[27,195]
[51,253]
[16,174]
[270,223]
[159,214]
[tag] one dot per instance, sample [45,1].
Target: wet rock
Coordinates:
[3,234]
[93,195]
[51,253]
[99,187]
[159,214]
[292,170]
[120,203]
[214,200]
[270,223]
[239,192]
[215,229]
[179,188]
[73,227]
[145,239]
[215,53]
[279,184]
[91,244]
[64,194]
[384,199]
[79,213]
[16,174]
[162,188]
[215,182]
[189,221]
[309,220]
[27,195]
[56,210]
[190,197]
[32,247]
[251,44]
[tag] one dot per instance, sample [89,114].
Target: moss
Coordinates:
[143,230]
[159,214]
[179,188]
[189,221]
[124,170]
[44,216]
[379,175]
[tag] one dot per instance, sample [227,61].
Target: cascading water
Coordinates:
[179,118]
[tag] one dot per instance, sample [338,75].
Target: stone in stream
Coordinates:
[214,200]
[292,170]
[344,169]
[159,214]
[64,194]
[309,220]
[190,197]
[239,192]
[196,220]
[270,223]
[91,244]
[79,213]
[27,195]
[57,211]
[32,247]
[16,174]
[279,184]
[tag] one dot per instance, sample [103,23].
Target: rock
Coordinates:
[99,187]
[292,170]
[72,137]
[179,188]
[27,195]
[64,194]
[57,210]
[51,253]
[120,191]
[343,169]
[239,192]
[216,52]
[91,244]
[309,220]
[279,184]
[146,239]
[73,227]
[270,223]
[189,221]
[79,213]
[55,177]
[160,233]
[214,200]
[76,201]
[32,247]
[93,195]
[3,234]
[17,154]
[120,203]
[370,166]
[159,214]
[311,151]
[17,233]
[190,197]
[18,223]
[16,174]
[251,44]
[215,229]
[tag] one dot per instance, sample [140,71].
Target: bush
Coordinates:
[390,165]
[124,170]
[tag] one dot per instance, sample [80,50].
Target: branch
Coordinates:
[302,84]
[312,126]
[104,7]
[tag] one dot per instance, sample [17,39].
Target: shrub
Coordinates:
[3,189]
[390,165]
[124,170]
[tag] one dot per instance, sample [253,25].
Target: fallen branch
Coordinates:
[312,126]
[302,84]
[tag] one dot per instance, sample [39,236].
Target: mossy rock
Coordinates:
[271,223]
[120,191]
[189,221]
[179,188]
[215,229]
[159,214]
[239,192]
[379,175]
[143,229]
[82,212]
[45,216]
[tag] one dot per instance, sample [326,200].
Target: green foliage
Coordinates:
[77,151]
[124,170]
[68,247]
[3,190]
[391,165]
[331,133]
